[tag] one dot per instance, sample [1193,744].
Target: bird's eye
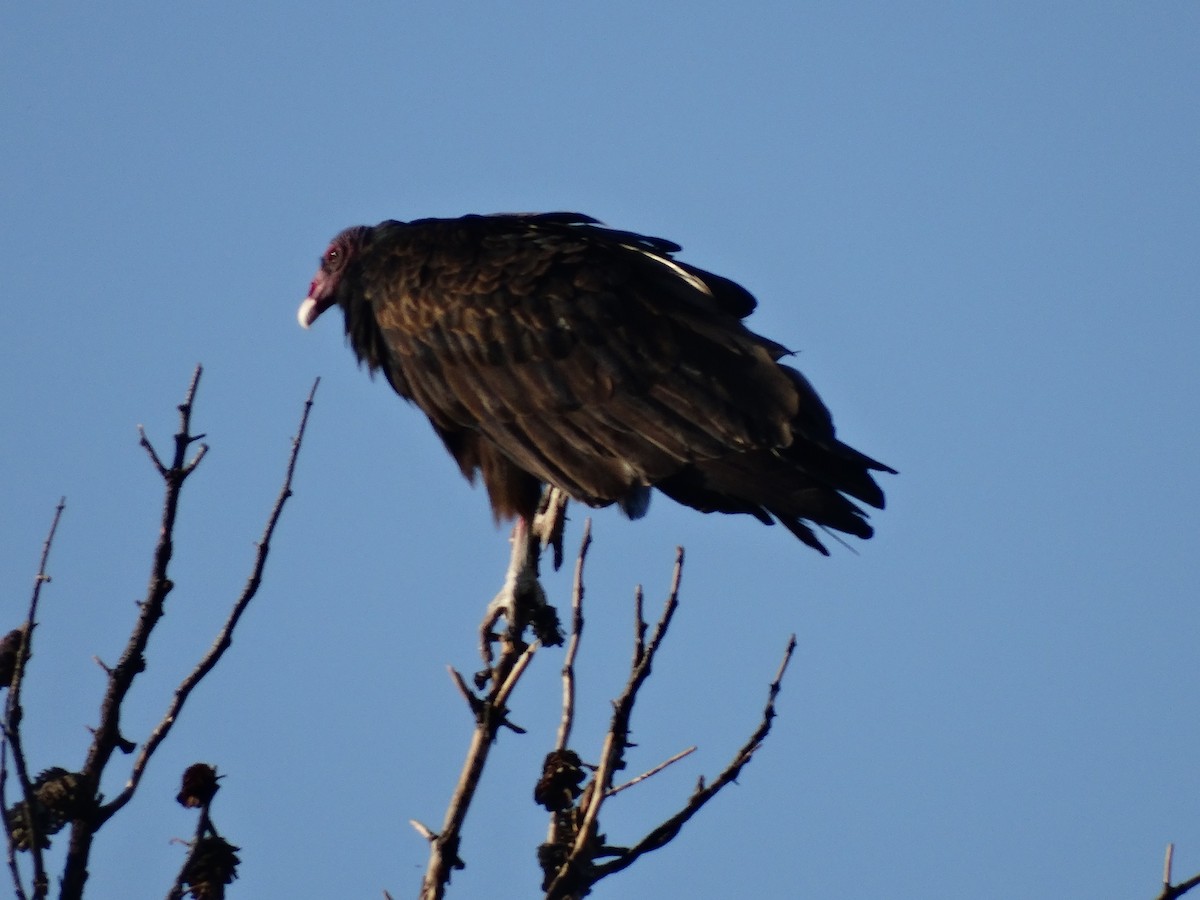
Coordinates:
[332,255]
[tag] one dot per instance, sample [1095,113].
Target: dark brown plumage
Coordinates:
[548,349]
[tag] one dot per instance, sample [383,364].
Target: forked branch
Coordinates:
[225,637]
[521,603]
[1173,891]
[663,834]
[87,814]
[570,857]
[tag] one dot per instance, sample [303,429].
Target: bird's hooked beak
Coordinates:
[308,311]
[319,299]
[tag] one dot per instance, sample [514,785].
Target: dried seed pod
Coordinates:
[60,794]
[551,858]
[559,786]
[212,865]
[20,828]
[199,785]
[10,645]
[57,799]
[546,626]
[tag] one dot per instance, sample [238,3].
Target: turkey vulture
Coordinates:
[548,349]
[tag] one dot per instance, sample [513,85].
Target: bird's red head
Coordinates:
[322,293]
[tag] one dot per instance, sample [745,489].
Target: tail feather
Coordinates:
[802,531]
[797,489]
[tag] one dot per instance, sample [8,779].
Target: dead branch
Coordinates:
[665,832]
[568,669]
[490,716]
[569,858]
[224,638]
[522,603]
[13,713]
[562,771]
[1170,891]
[670,761]
[107,735]
[81,789]
[572,876]
[13,868]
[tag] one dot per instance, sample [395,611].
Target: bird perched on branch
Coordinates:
[547,349]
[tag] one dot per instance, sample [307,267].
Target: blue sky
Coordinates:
[978,223]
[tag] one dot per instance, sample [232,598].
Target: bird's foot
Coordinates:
[521,602]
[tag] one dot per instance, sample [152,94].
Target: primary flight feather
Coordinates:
[547,349]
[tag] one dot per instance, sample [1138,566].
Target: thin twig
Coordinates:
[461,683]
[616,741]
[514,675]
[650,772]
[203,825]
[639,625]
[422,829]
[13,869]
[106,736]
[568,668]
[149,448]
[560,830]
[665,832]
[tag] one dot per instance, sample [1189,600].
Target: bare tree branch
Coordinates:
[522,603]
[13,868]
[107,736]
[1169,891]
[639,625]
[665,832]
[574,875]
[569,858]
[491,716]
[225,636]
[562,771]
[568,668]
[178,888]
[89,814]
[682,754]
[13,714]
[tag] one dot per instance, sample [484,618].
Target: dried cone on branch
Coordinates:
[559,786]
[199,786]
[212,865]
[57,800]
[556,853]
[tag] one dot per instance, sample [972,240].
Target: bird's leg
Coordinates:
[521,602]
[512,604]
[550,521]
